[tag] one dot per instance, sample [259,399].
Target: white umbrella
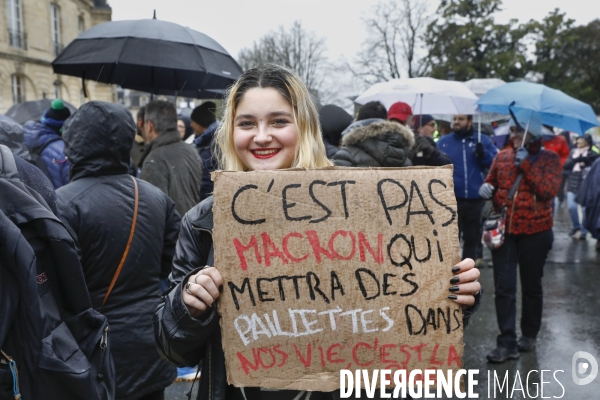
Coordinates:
[481,86]
[424,95]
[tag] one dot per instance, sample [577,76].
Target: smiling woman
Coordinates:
[269,123]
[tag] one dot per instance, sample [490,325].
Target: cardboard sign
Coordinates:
[335,268]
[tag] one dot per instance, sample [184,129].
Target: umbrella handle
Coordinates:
[83,85]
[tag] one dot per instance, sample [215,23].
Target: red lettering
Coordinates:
[286,251]
[308,360]
[313,238]
[453,357]
[246,363]
[383,353]
[418,349]
[432,360]
[355,353]
[331,353]
[260,360]
[270,250]
[408,356]
[322,356]
[284,355]
[363,242]
[241,248]
[332,243]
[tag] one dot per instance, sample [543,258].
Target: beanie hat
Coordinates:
[56,115]
[400,111]
[588,138]
[205,114]
[421,120]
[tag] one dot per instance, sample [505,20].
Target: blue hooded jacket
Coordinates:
[53,155]
[205,144]
[469,172]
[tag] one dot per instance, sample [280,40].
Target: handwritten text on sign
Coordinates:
[335,269]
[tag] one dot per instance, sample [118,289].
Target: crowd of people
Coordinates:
[136,197]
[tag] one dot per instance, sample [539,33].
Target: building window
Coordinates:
[81,24]
[55,26]
[57,90]
[18,89]
[16,36]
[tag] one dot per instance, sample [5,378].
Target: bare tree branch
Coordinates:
[394,30]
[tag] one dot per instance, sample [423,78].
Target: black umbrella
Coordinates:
[149,55]
[32,110]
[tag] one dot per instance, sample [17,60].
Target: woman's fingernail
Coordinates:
[452,297]
[456,269]
[454,289]
[454,280]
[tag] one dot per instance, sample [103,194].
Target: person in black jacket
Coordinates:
[98,208]
[578,163]
[333,121]
[187,324]
[425,151]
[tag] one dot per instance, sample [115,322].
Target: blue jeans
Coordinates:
[573,206]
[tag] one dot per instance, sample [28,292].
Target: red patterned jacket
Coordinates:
[530,210]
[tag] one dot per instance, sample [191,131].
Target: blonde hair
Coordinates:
[310,150]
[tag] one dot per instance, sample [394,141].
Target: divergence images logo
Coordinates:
[583,366]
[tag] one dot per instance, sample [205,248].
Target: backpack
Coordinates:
[38,161]
[54,344]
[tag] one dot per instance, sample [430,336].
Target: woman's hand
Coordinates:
[201,290]
[464,284]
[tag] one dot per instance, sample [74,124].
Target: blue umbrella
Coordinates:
[555,107]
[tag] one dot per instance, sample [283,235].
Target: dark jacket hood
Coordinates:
[11,135]
[381,130]
[98,139]
[379,143]
[333,120]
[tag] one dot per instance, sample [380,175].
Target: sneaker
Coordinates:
[501,354]
[526,344]
[187,374]
[576,235]
[479,263]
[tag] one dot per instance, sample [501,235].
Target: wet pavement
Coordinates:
[571,323]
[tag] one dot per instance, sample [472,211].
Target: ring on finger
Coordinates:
[187,287]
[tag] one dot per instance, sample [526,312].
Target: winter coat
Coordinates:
[11,135]
[35,179]
[50,146]
[205,145]
[559,145]
[425,152]
[588,195]
[379,143]
[187,341]
[530,209]
[175,168]
[576,177]
[469,172]
[333,120]
[98,207]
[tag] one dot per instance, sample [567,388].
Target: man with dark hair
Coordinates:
[168,163]
[204,123]
[471,155]
[137,150]
[372,109]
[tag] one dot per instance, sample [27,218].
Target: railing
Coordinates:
[17,39]
[56,48]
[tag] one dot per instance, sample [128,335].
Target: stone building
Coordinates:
[32,34]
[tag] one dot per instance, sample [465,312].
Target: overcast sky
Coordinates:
[236,24]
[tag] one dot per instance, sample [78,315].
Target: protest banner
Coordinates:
[335,268]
